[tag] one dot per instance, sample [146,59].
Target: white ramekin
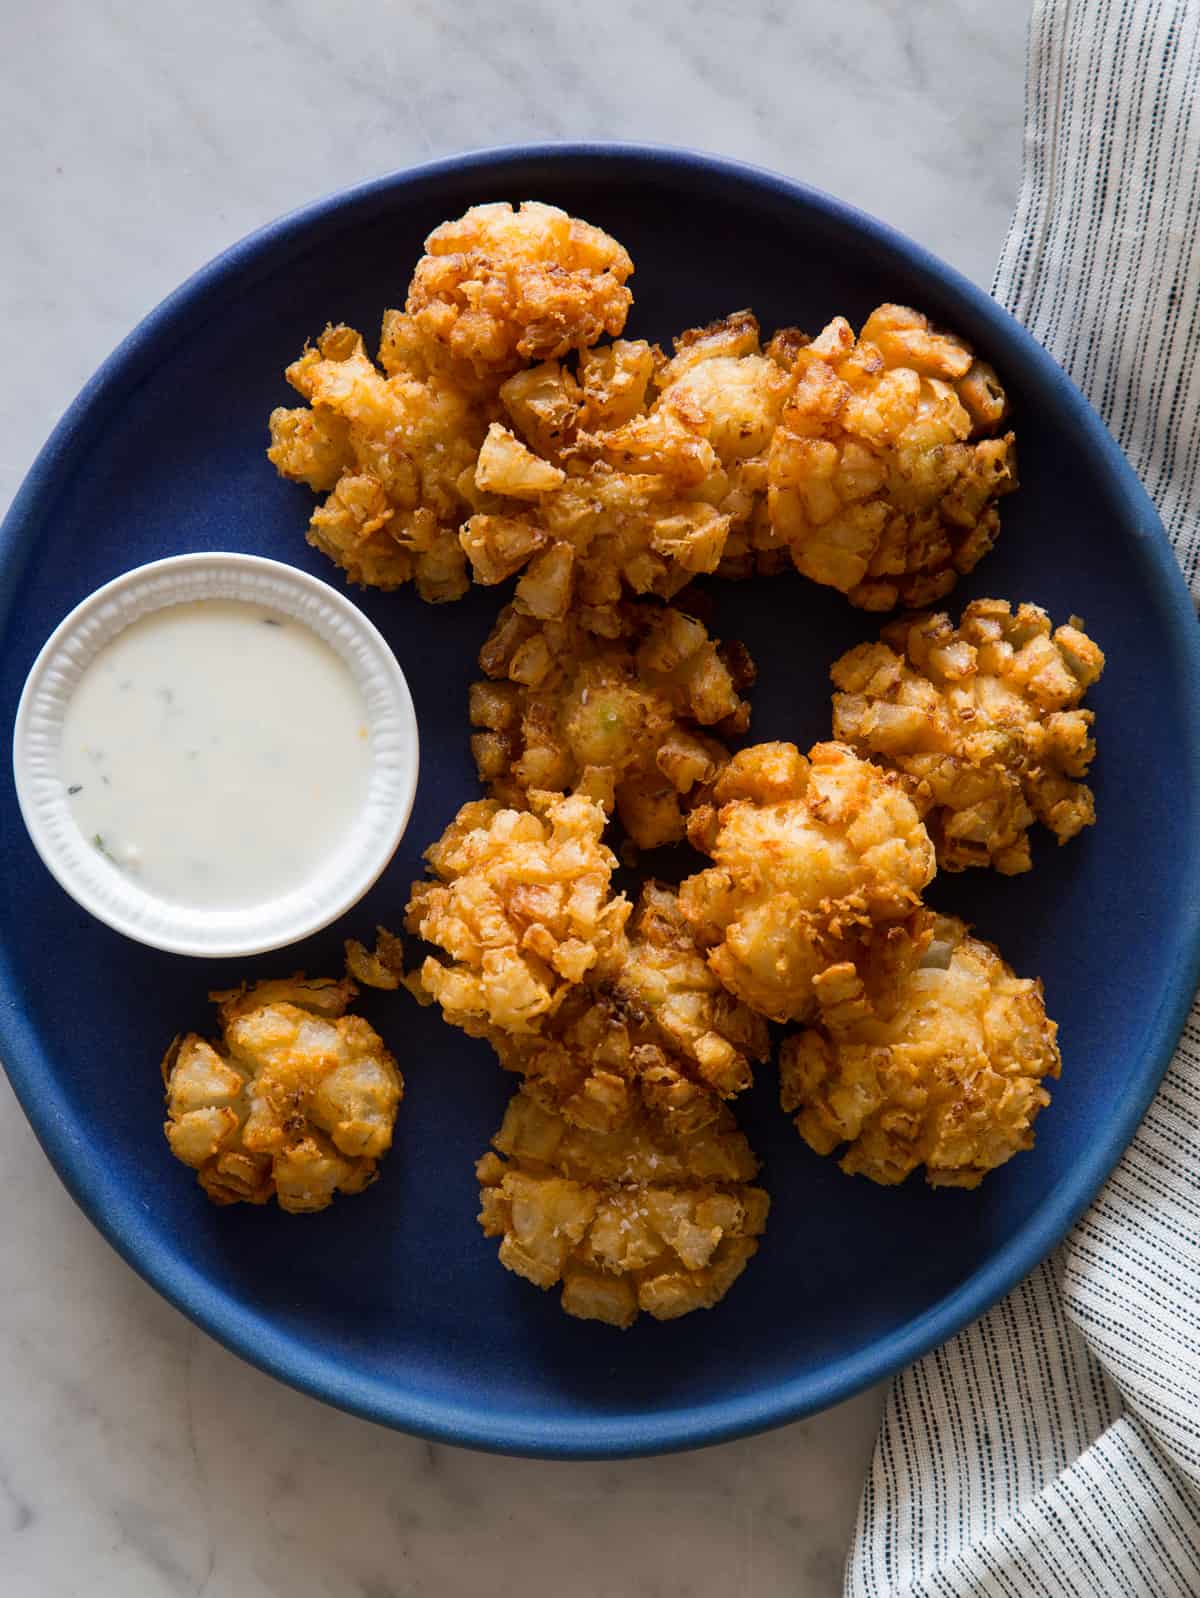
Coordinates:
[115,898]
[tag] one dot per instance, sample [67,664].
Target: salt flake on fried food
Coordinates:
[813,898]
[389,452]
[498,289]
[982,721]
[886,466]
[521,908]
[951,1079]
[296,1101]
[625,720]
[635,1220]
[654,1031]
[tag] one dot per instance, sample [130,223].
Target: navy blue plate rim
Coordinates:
[245,1332]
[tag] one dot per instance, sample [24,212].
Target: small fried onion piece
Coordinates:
[498,288]
[664,983]
[886,466]
[713,411]
[982,721]
[818,868]
[628,1221]
[388,452]
[618,719]
[951,1080]
[521,907]
[661,461]
[381,967]
[660,1032]
[296,1101]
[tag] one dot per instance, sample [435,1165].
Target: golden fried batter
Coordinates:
[521,906]
[381,967]
[631,1220]
[886,464]
[819,865]
[658,463]
[982,721]
[657,1030]
[296,1102]
[498,288]
[618,719]
[389,452]
[714,410]
[952,1079]
[549,405]
[664,983]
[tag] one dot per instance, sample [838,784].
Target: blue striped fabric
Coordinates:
[1053,1448]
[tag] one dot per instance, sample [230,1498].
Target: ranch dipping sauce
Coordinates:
[216,752]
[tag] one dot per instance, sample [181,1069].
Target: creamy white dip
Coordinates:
[216,752]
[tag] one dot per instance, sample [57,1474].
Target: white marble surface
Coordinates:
[138,1459]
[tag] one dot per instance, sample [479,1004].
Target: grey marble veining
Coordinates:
[137,1458]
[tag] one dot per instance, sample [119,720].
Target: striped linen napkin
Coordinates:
[1053,1448]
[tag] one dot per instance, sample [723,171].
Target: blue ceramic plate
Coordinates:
[392,1305]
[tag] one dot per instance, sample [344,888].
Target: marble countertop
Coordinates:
[137,1458]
